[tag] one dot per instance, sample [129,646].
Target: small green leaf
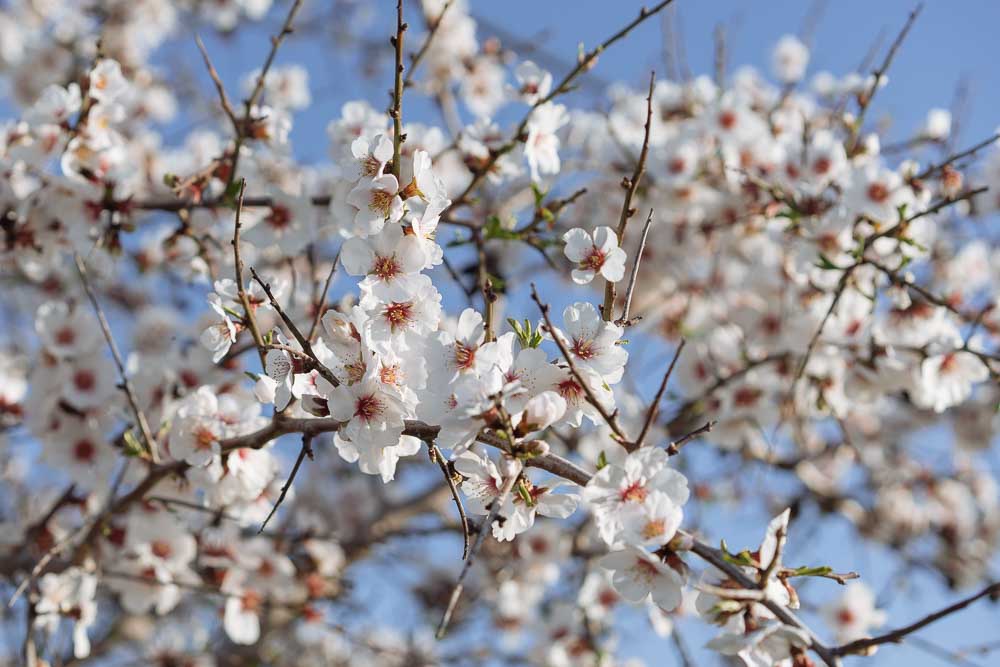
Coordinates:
[602,460]
[133,447]
[819,571]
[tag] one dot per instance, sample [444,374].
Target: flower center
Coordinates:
[465,356]
[571,391]
[584,349]
[385,268]
[84,380]
[654,528]
[370,166]
[204,437]
[949,363]
[65,336]
[399,314]
[594,261]
[84,451]
[280,217]
[250,601]
[389,374]
[368,407]
[878,193]
[160,548]
[634,493]
[380,201]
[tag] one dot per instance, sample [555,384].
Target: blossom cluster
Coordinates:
[825,307]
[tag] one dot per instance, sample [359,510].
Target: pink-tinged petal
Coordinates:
[578,244]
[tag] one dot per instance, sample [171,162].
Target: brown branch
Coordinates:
[860,646]
[879,73]
[302,340]
[248,311]
[320,304]
[303,453]
[133,401]
[715,557]
[584,63]
[631,185]
[227,106]
[437,457]
[654,407]
[397,94]
[934,168]
[841,287]
[624,320]
[484,528]
[432,25]
[674,448]
[276,40]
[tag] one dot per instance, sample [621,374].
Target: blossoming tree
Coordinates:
[796,299]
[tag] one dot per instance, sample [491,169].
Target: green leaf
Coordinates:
[230,195]
[133,447]
[494,229]
[825,263]
[602,460]
[539,194]
[819,571]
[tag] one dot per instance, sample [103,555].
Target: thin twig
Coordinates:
[866,101]
[654,407]
[484,528]
[674,448]
[227,106]
[896,636]
[276,40]
[624,321]
[133,401]
[302,340]
[631,184]
[248,311]
[320,304]
[584,63]
[303,453]
[432,28]
[438,457]
[956,157]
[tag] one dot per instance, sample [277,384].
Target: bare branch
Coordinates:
[624,320]
[866,100]
[860,646]
[305,451]
[227,106]
[654,407]
[437,457]
[631,185]
[484,528]
[396,113]
[302,340]
[133,401]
